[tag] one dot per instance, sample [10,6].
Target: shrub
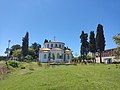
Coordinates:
[22,67]
[13,63]
[29,58]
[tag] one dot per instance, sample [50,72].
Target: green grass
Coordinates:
[80,77]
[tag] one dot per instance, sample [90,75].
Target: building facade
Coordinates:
[108,56]
[54,51]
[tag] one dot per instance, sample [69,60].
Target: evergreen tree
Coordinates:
[45,41]
[92,43]
[25,45]
[100,40]
[84,45]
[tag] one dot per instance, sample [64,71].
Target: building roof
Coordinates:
[55,42]
[67,51]
[57,49]
[44,49]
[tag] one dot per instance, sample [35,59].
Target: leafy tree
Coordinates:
[14,47]
[36,47]
[25,44]
[17,53]
[100,40]
[117,41]
[84,45]
[31,52]
[92,43]
[117,53]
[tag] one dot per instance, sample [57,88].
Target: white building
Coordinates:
[108,56]
[54,51]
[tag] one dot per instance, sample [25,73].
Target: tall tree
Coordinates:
[92,43]
[84,45]
[100,40]
[25,44]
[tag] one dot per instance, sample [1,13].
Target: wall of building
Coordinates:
[65,56]
[41,56]
[54,45]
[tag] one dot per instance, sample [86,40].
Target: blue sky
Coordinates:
[64,19]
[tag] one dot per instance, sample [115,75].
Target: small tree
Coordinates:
[53,56]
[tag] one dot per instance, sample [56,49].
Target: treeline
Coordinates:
[95,43]
[21,53]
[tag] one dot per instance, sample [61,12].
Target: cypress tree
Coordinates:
[84,45]
[100,40]
[92,43]
[25,45]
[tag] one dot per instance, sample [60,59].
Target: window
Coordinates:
[61,57]
[45,56]
[55,45]
[58,56]
[60,46]
[51,45]
[47,45]
[68,56]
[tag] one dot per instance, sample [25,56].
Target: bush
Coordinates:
[29,58]
[22,67]
[3,58]
[115,62]
[13,63]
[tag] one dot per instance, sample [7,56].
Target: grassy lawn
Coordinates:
[80,77]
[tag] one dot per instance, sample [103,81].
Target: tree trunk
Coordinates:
[100,57]
[94,56]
